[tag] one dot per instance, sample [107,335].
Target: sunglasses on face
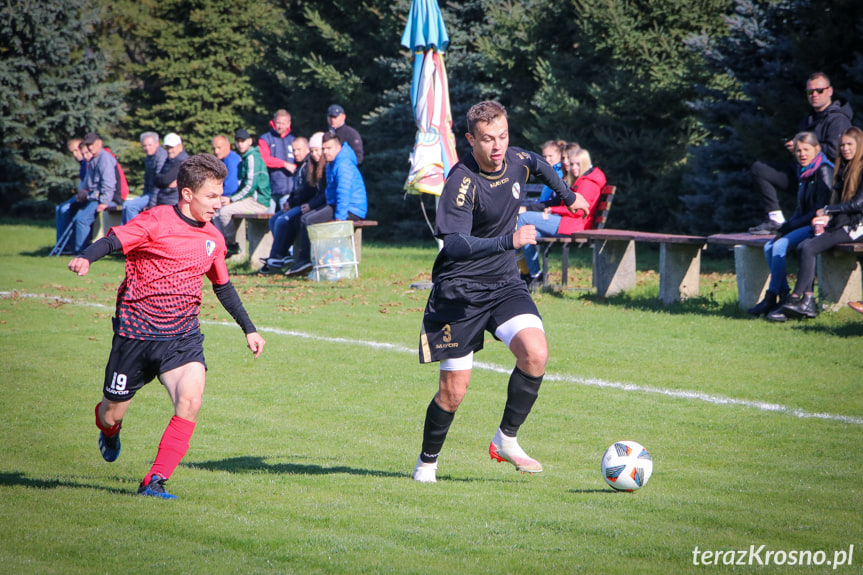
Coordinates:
[818,91]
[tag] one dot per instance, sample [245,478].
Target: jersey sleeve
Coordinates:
[455,209]
[546,174]
[218,272]
[138,231]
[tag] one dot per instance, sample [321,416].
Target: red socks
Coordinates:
[108,431]
[172,448]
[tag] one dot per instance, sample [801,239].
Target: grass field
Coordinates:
[301,459]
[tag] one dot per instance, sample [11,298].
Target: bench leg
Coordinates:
[838,280]
[679,272]
[104,222]
[753,275]
[260,242]
[564,264]
[358,244]
[240,238]
[613,266]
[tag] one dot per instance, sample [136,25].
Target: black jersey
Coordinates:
[482,205]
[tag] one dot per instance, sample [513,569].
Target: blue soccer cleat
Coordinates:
[155,488]
[109,446]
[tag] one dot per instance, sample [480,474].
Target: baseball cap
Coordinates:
[335,110]
[90,138]
[241,134]
[317,140]
[172,140]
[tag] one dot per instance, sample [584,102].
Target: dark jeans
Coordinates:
[771,178]
[809,250]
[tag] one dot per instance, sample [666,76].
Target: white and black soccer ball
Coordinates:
[626,466]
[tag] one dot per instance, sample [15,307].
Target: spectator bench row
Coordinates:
[254,230]
[614,260]
[253,234]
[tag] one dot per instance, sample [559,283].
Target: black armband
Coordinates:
[230,300]
[101,248]
[462,247]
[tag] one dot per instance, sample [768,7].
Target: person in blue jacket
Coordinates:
[232,160]
[346,199]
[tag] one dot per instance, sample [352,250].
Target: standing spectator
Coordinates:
[231,159]
[97,191]
[153,163]
[336,119]
[829,118]
[156,329]
[277,151]
[64,212]
[253,195]
[346,199]
[167,193]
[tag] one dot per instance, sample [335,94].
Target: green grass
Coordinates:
[301,459]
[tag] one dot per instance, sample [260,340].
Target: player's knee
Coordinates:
[188,407]
[534,359]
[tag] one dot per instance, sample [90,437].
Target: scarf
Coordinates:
[807,171]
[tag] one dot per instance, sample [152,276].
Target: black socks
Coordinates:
[521,395]
[436,427]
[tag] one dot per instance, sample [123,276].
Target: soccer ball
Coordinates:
[626,466]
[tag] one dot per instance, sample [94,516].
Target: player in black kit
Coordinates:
[477,285]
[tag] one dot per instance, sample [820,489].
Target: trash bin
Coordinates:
[333,252]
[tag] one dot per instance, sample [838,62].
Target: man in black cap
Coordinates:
[336,120]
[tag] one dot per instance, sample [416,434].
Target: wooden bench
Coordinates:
[614,261]
[603,206]
[838,271]
[254,229]
[112,216]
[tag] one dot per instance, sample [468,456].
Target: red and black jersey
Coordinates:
[167,255]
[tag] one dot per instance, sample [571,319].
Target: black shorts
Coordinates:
[134,363]
[458,313]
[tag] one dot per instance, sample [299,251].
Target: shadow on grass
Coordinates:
[12,479]
[594,491]
[250,464]
[845,330]
[253,464]
[703,305]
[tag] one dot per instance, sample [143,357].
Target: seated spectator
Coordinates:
[310,187]
[276,147]
[568,150]
[153,163]
[63,213]
[553,152]
[827,120]
[232,160]
[552,217]
[841,222]
[346,199]
[98,191]
[815,176]
[253,195]
[166,193]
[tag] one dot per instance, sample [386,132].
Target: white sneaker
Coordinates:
[425,472]
[504,448]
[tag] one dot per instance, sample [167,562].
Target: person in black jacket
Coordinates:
[829,118]
[336,119]
[842,222]
[816,181]
[166,193]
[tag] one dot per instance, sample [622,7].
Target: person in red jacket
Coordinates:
[553,218]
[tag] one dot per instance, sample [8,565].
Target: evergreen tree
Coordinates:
[52,87]
[755,99]
[191,63]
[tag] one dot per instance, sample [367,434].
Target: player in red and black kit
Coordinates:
[478,288]
[156,329]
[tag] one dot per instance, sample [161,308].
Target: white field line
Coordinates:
[592,382]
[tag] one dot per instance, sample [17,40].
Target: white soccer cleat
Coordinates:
[503,448]
[425,472]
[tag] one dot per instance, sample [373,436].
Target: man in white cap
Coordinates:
[166,180]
